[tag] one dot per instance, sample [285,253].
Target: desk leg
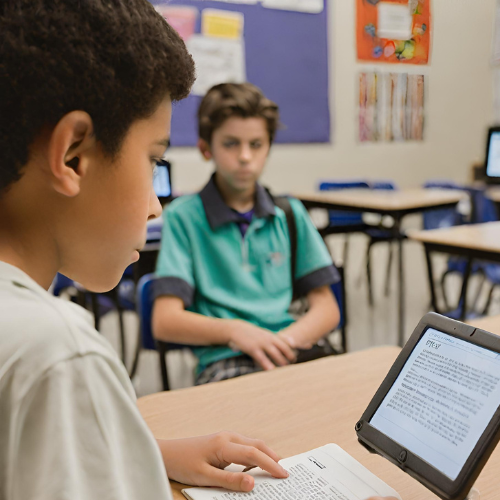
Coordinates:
[401,284]
[463,293]
[430,274]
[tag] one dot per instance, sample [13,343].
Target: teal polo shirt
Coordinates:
[205,261]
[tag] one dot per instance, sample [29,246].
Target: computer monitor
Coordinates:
[492,164]
[162,181]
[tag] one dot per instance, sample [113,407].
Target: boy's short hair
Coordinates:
[235,99]
[114,59]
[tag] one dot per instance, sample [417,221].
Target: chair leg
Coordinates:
[443,289]
[95,310]
[388,274]
[162,352]
[478,294]
[346,251]
[138,349]
[486,309]
[369,274]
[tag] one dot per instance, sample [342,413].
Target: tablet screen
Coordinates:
[493,165]
[442,401]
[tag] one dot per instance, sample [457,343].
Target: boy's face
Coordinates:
[114,204]
[239,148]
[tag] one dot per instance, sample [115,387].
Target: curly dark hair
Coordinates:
[114,59]
[235,99]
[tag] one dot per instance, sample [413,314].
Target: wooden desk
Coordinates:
[397,204]
[474,241]
[295,409]
[490,324]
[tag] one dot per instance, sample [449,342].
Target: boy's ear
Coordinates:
[204,148]
[69,142]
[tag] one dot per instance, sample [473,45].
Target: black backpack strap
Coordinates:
[284,203]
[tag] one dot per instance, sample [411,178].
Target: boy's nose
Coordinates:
[155,208]
[245,154]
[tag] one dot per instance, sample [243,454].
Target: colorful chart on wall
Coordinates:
[279,45]
[391,107]
[394,31]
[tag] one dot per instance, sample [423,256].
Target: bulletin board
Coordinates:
[286,56]
[374,48]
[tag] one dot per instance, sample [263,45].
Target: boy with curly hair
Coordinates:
[224,268]
[86,90]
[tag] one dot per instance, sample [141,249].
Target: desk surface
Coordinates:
[386,200]
[484,237]
[488,323]
[295,409]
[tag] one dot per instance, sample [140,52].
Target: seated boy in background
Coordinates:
[225,273]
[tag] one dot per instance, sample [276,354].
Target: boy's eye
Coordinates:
[230,144]
[155,162]
[256,144]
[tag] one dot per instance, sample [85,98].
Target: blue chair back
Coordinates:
[483,208]
[144,303]
[442,217]
[338,292]
[340,217]
[61,282]
[387,185]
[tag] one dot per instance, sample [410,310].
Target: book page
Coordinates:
[326,473]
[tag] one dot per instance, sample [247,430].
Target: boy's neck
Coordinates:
[241,201]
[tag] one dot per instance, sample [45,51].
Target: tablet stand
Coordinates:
[473,494]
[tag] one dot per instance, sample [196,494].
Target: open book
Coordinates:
[326,473]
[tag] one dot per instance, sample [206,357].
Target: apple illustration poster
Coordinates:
[394,31]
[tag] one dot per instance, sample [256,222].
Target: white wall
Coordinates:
[459,107]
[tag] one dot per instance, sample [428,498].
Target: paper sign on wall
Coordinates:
[394,21]
[222,23]
[310,6]
[218,60]
[181,18]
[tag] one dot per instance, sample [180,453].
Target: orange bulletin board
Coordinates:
[371,48]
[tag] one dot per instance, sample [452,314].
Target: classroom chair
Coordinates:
[350,222]
[144,300]
[480,211]
[119,299]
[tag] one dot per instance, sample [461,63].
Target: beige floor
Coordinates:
[367,326]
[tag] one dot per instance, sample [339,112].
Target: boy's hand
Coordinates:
[266,348]
[293,342]
[200,461]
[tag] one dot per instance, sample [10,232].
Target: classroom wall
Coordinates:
[459,108]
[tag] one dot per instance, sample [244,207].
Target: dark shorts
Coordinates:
[228,368]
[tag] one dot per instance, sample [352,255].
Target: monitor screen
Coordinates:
[442,401]
[161,180]
[493,155]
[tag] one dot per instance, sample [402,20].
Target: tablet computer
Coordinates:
[437,413]
[492,163]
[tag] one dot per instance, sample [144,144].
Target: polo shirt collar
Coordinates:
[218,213]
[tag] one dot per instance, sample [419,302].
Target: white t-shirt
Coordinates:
[69,424]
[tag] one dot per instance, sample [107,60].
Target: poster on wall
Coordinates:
[218,51]
[393,31]
[391,107]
